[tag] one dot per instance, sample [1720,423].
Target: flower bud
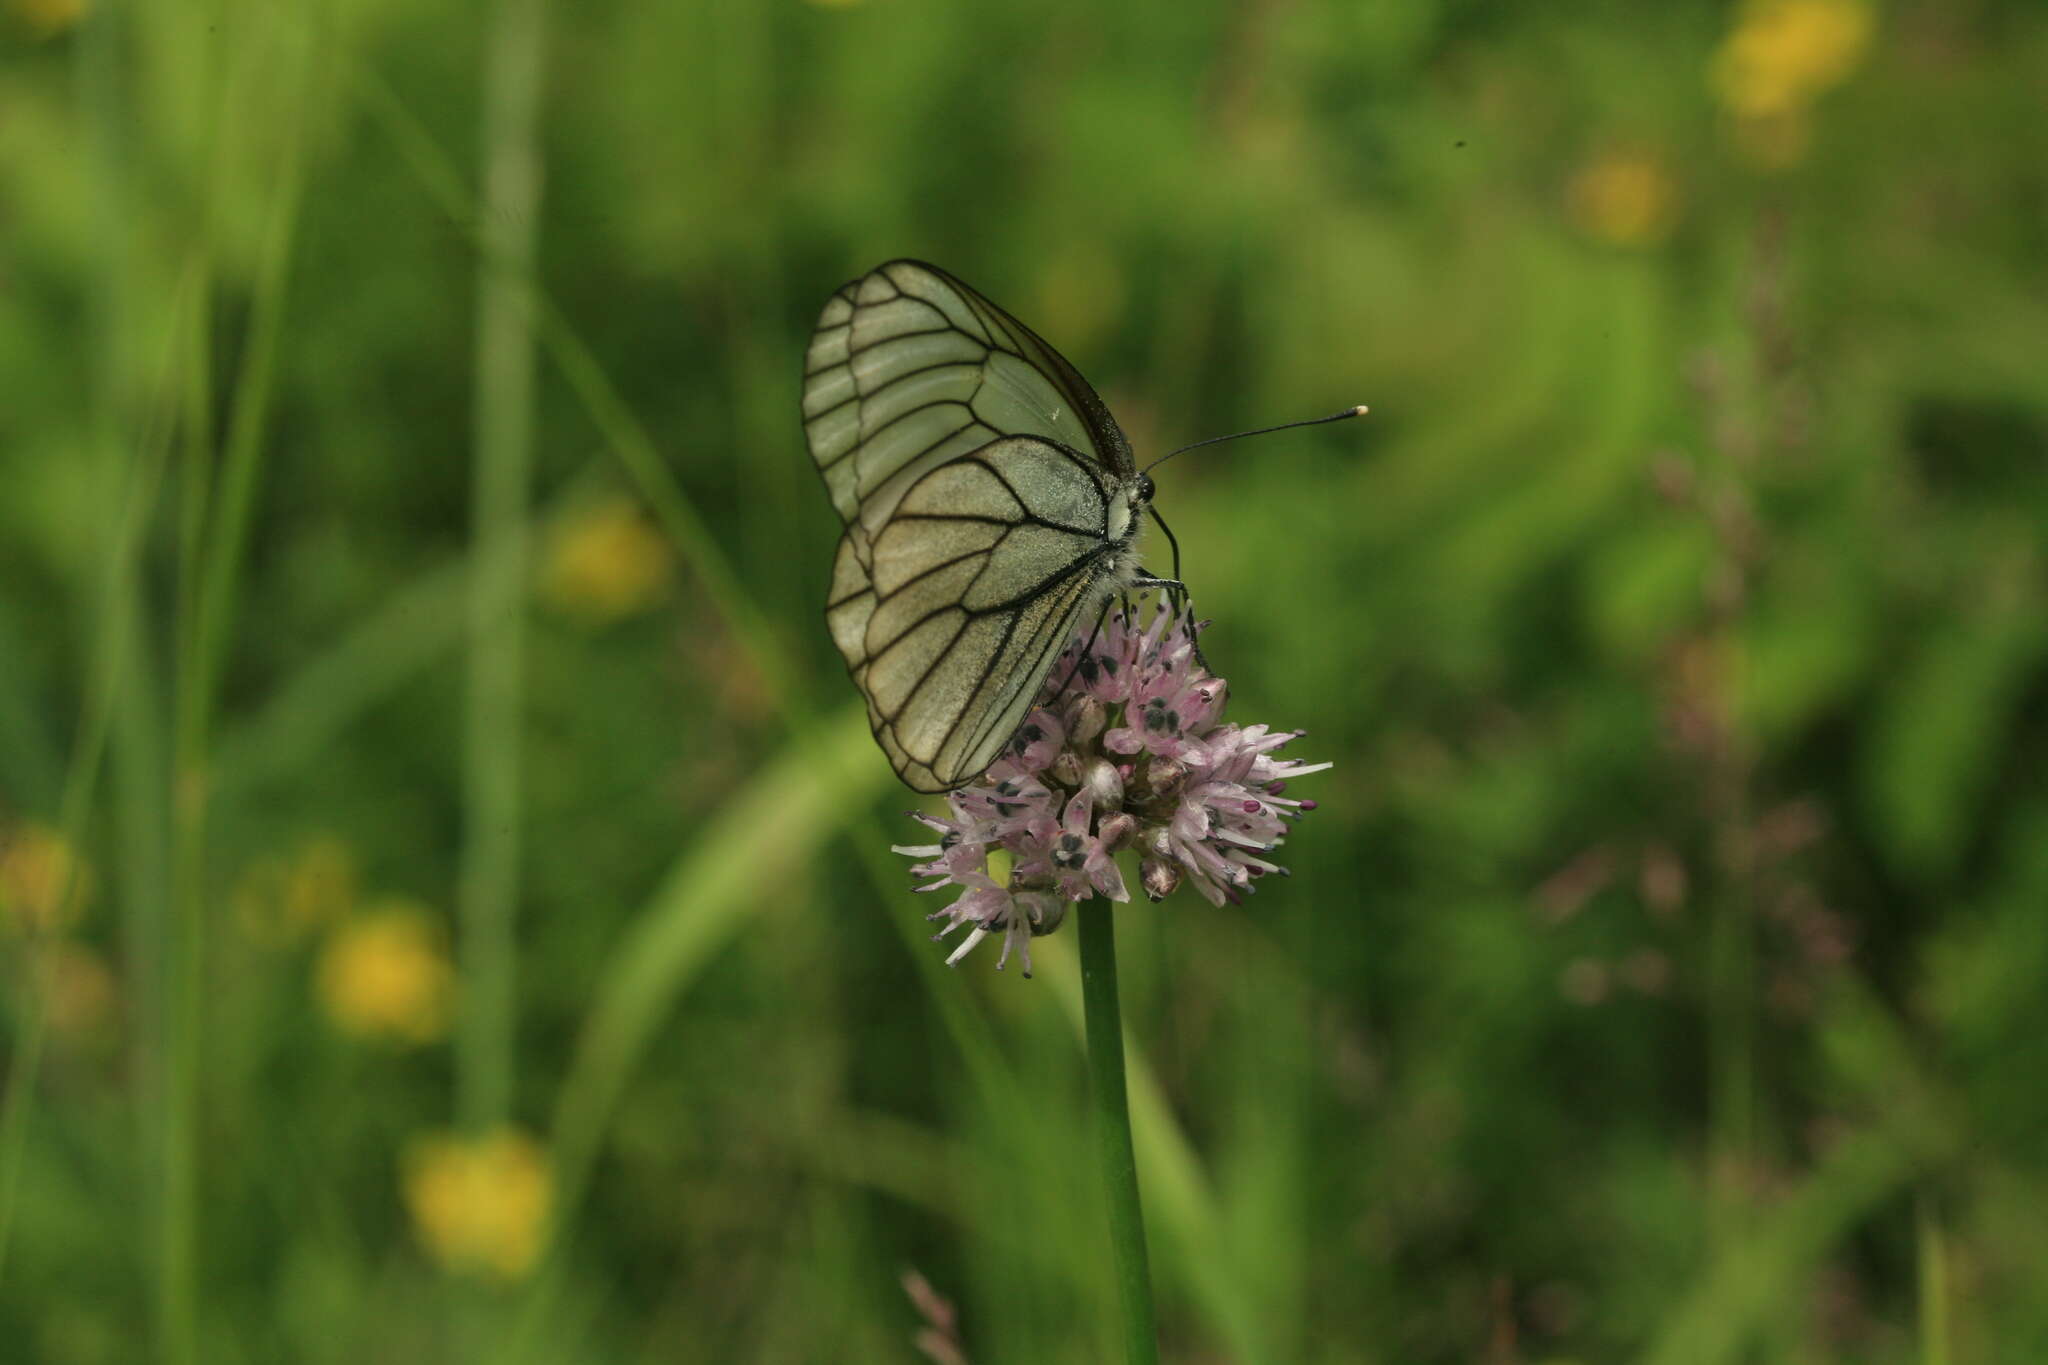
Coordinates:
[1156,841]
[1086,720]
[1044,911]
[1106,784]
[1117,831]
[1066,769]
[1165,778]
[1159,877]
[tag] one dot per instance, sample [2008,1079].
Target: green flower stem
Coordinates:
[1113,1131]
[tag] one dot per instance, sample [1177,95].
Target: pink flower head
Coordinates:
[1126,748]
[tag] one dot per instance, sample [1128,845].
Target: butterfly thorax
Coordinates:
[1126,505]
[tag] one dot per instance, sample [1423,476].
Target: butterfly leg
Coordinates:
[1171,539]
[1176,592]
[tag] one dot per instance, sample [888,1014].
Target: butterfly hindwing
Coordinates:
[976,583]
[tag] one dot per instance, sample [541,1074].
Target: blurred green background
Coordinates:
[445,907]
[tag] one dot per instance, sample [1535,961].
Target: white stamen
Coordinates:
[967,945]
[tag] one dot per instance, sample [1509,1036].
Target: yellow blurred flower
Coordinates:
[1784,53]
[605,563]
[278,900]
[44,885]
[386,974]
[48,18]
[1626,198]
[480,1204]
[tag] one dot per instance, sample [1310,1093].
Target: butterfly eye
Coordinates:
[1143,494]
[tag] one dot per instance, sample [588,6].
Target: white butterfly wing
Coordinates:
[973,467]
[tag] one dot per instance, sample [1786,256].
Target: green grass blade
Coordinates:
[503,419]
[1935,1331]
[219,564]
[785,815]
[111,609]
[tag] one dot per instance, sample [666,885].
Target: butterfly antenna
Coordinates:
[1345,415]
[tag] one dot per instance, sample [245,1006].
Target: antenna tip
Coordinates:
[1360,411]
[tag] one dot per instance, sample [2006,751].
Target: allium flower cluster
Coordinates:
[1125,749]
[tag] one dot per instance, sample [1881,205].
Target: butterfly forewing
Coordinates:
[974,469]
[909,367]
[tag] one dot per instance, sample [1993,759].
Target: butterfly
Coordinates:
[990,501]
